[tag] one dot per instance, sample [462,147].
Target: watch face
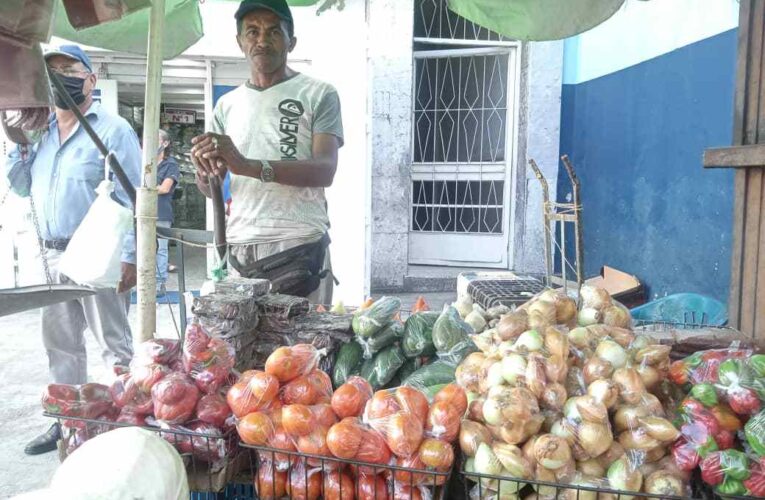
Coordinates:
[267,174]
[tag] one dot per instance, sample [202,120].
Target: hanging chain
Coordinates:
[36,222]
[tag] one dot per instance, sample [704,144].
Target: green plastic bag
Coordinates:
[373,319]
[418,334]
[436,373]
[450,330]
[382,339]
[383,366]
[348,361]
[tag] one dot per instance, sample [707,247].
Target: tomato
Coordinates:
[684,455]
[344,438]
[678,372]
[743,401]
[725,439]
[256,428]
[373,450]
[406,492]
[298,420]
[436,454]
[300,489]
[350,398]
[253,391]
[443,421]
[270,483]
[726,418]
[288,363]
[371,487]
[323,415]
[413,401]
[383,404]
[454,396]
[299,391]
[403,433]
[281,441]
[315,443]
[338,486]
[322,384]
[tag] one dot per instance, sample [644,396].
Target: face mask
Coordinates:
[160,149]
[73,86]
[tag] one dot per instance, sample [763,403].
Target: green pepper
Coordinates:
[757,363]
[754,430]
[707,448]
[705,394]
[693,360]
[731,487]
[730,372]
[735,465]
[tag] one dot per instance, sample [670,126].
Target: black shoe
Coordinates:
[44,442]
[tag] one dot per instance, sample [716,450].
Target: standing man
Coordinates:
[61,176]
[168,172]
[278,136]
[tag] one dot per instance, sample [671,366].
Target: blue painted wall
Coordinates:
[636,139]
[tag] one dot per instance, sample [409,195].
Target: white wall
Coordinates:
[643,30]
[331,47]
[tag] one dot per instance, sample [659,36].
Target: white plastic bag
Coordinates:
[93,255]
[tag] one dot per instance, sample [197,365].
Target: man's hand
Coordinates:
[128,279]
[217,153]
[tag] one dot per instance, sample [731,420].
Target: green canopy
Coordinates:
[183,28]
[536,20]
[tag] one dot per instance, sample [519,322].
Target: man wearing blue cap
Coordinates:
[278,136]
[61,176]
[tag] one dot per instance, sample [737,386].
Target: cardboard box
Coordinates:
[623,287]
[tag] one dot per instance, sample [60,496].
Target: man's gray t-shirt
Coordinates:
[277,124]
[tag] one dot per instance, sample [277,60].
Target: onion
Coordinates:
[512,433]
[497,312]
[553,397]
[472,434]
[631,387]
[592,410]
[509,403]
[475,409]
[598,333]
[604,391]
[641,341]
[556,369]
[648,468]
[486,462]
[530,341]
[533,426]
[653,354]
[505,348]
[535,374]
[626,417]
[543,474]
[564,429]
[668,464]
[659,428]
[617,315]
[578,452]
[513,365]
[566,473]
[537,321]
[591,467]
[513,324]
[588,316]
[551,417]
[594,438]
[597,298]
[473,360]
[575,385]
[652,404]
[528,450]
[579,337]
[512,460]
[469,376]
[545,310]
[551,452]
[476,320]
[664,483]
[556,342]
[649,375]
[496,431]
[494,375]
[637,439]
[492,411]
[484,342]
[655,454]
[463,305]
[571,411]
[581,494]
[614,452]
[469,466]
[597,369]
[612,352]
[621,336]
[565,309]
[623,476]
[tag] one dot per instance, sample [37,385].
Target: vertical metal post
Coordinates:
[146,206]
[579,238]
[181,285]
[545,215]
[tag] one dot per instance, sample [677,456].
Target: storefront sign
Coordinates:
[183,116]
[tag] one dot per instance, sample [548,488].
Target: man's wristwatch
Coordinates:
[266,172]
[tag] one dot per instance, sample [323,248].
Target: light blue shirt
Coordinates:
[64,177]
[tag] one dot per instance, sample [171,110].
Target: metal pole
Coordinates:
[146,210]
[579,238]
[546,218]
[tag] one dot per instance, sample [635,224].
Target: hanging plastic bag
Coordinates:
[94,253]
[26,22]
[86,13]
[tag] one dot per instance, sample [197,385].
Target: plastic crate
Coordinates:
[683,308]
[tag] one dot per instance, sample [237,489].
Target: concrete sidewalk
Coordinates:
[24,374]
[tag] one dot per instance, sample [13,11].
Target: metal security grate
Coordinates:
[490,293]
[434,20]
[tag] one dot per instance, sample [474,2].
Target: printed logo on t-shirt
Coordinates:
[291,111]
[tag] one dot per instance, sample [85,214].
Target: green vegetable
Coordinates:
[348,360]
[370,321]
[411,366]
[754,430]
[435,373]
[693,360]
[705,394]
[734,464]
[385,337]
[734,372]
[418,334]
[458,352]
[450,330]
[383,366]
[707,448]
[757,363]
[430,392]
[731,487]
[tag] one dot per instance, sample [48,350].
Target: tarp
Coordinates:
[536,20]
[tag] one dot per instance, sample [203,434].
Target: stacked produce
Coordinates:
[290,406]
[556,402]
[721,420]
[173,387]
